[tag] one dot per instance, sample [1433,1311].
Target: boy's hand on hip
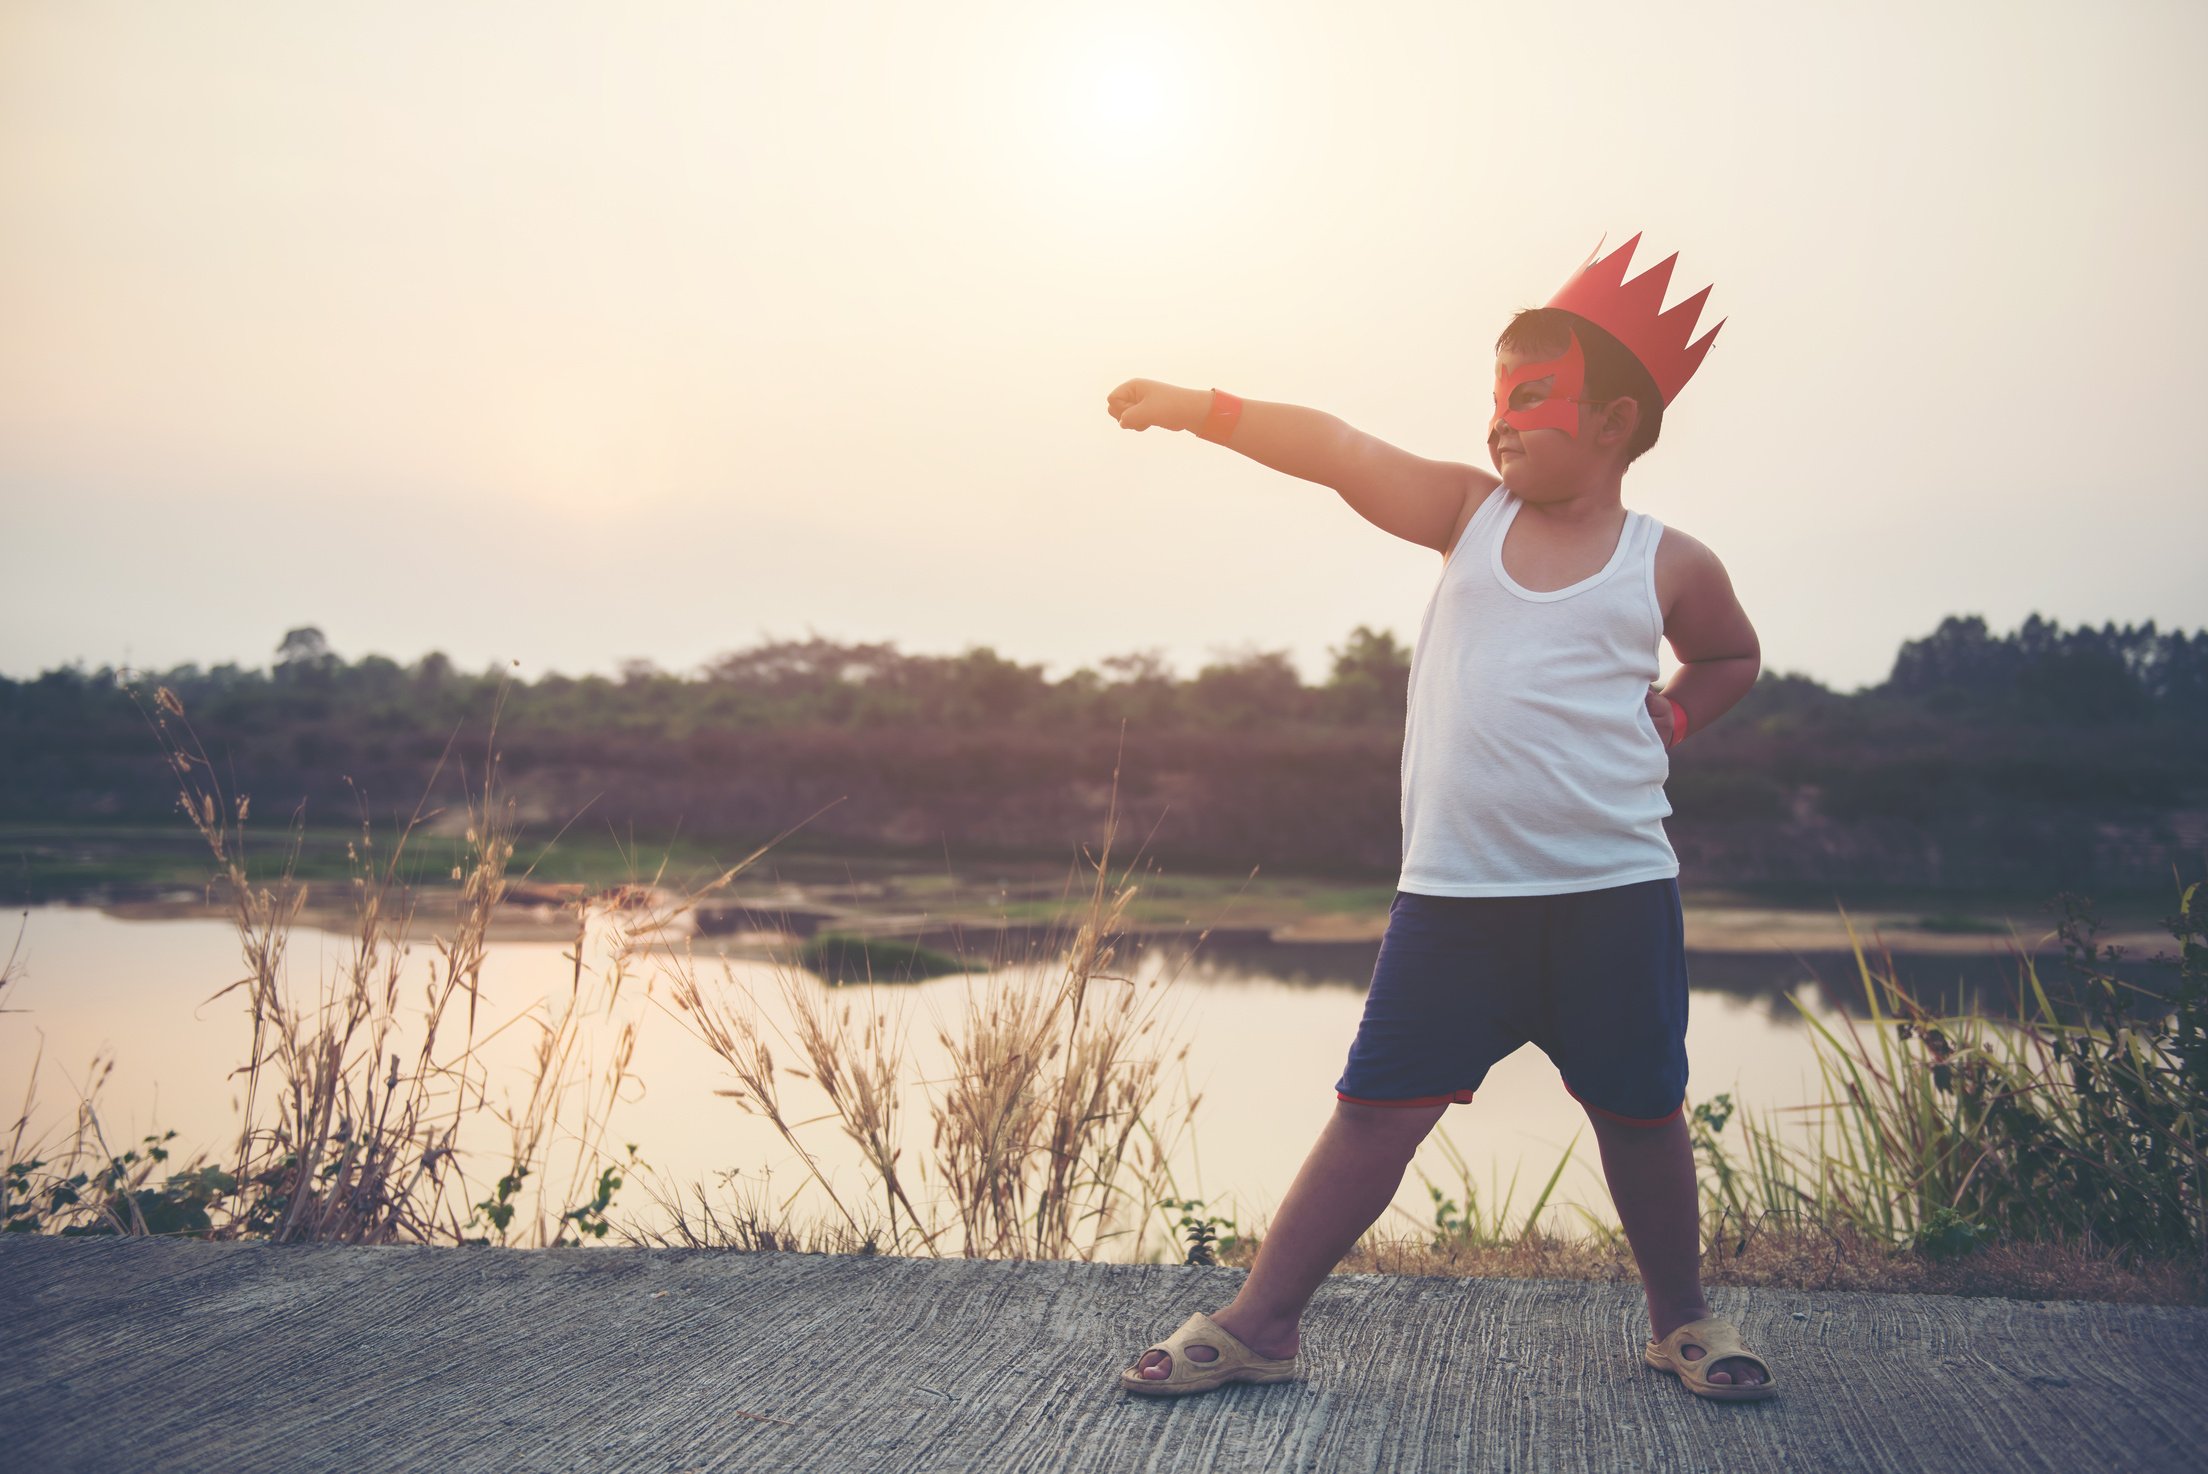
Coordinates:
[1659,709]
[1140,403]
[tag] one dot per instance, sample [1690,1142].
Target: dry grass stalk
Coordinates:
[733,1031]
[345,1139]
[1043,1142]
[562,1068]
[326,1157]
[741,1216]
[74,1181]
[861,1069]
[567,1078]
[1798,1257]
[1050,1091]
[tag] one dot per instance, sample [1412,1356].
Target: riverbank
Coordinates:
[162,1354]
[1005,909]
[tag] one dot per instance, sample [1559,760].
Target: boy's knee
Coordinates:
[1632,1128]
[1400,1128]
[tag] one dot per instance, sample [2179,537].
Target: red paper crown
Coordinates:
[1633,313]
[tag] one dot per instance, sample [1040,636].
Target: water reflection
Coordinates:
[1940,980]
[1266,1027]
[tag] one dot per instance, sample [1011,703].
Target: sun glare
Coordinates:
[1129,96]
[1118,123]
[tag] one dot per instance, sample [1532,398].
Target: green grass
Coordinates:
[842,957]
[66,861]
[2144,907]
[2071,1121]
[1952,925]
[63,861]
[1353,900]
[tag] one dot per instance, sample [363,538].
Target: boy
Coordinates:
[1539,895]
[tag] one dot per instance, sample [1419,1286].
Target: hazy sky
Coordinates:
[571,333]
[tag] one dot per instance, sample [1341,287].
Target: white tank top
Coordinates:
[1531,765]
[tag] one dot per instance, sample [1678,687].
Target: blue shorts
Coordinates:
[1598,979]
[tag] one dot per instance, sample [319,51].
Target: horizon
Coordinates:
[1051,673]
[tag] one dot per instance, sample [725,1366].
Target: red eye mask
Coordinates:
[1560,411]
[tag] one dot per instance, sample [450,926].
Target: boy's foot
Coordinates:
[1730,1370]
[1732,1377]
[1265,1340]
[1157,1366]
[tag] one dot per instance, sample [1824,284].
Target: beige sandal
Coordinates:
[1235,1362]
[1718,1338]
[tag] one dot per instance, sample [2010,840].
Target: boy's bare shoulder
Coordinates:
[1695,595]
[1684,556]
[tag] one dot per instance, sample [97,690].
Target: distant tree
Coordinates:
[1256,687]
[1371,678]
[433,669]
[303,644]
[2084,678]
[788,667]
[2114,673]
[1139,688]
[978,687]
[1959,662]
[1077,697]
[2178,678]
[812,680]
[379,681]
[1139,666]
[304,654]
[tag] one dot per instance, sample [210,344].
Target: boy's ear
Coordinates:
[1615,425]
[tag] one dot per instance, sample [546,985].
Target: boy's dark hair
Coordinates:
[1612,371]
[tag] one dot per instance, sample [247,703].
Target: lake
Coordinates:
[1266,1028]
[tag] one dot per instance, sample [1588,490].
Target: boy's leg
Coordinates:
[1437,1015]
[1617,1029]
[1650,1170]
[1345,1185]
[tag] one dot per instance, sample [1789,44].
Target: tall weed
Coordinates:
[2080,1117]
[1049,1138]
[355,1087]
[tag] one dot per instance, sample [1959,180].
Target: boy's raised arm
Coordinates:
[1416,499]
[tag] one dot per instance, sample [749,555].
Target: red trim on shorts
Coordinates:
[1662,1120]
[1455,1097]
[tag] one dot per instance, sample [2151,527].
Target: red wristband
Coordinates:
[1226,412]
[1678,721]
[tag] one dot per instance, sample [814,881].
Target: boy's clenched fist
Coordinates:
[1140,403]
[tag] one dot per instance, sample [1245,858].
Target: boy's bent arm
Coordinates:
[1417,499]
[1719,654]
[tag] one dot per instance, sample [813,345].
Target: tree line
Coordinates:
[2039,756]
[2084,675]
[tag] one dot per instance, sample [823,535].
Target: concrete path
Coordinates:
[126,1355]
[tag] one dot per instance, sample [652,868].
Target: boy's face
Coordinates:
[1537,430]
